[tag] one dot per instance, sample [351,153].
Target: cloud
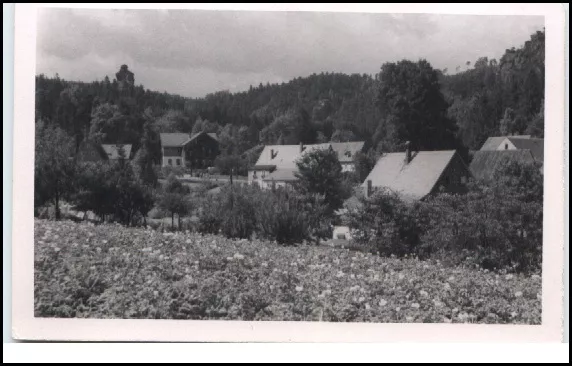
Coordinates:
[193,52]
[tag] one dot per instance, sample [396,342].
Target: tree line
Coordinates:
[405,101]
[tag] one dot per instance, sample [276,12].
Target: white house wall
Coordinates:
[173,159]
[506,145]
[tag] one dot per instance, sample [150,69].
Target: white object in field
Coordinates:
[342,232]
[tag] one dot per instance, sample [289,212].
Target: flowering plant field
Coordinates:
[110,271]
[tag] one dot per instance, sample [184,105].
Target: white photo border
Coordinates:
[26,327]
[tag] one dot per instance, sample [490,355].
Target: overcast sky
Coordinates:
[193,52]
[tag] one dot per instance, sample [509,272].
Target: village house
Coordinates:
[90,151]
[196,151]
[276,165]
[519,142]
[522,148]
[414,175]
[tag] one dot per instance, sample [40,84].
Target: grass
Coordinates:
[109,271]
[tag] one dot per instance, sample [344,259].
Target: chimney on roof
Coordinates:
[368,189]
[407,152]
[271,154]
[301,146]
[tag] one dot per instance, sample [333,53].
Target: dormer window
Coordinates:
[506,146]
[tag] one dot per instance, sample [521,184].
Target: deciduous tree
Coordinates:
[54,167]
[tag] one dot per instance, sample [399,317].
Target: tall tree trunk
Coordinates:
[57,204]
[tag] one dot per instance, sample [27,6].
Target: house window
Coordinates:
[178,162]
[254,175]
[170,162]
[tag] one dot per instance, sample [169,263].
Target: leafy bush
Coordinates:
[166,171]
[386,223]
[320,172]
[157,213]
[111,190]
[289,218]
[280,215]
[174,198]
[225,164]
[230,212]
[497,225]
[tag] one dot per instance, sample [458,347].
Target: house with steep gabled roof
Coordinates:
[90,151]
[517,142]
[276,165]
[414,175]
[196,151]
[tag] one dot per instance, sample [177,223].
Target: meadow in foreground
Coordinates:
[109,271]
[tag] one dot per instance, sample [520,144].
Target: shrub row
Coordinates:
[280,215]
[497,225]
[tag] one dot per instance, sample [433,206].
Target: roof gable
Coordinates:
[415,179]
[485,163]
[112,150]
[347,150]
[494,142]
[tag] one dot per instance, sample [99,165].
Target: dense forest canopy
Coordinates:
[492,97]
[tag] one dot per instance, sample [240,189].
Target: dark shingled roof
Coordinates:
[536,147]
[177,139]
[174,139]
[414,180]
[212,135]
[484,163]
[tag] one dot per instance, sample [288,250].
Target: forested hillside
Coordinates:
[406,100]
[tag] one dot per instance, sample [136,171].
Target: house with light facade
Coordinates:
[276,165]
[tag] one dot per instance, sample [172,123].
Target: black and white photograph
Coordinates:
[289,166]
